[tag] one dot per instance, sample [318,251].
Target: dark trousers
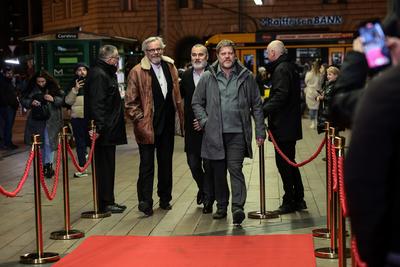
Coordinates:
[105,173]
[164,148]
[80,129]
[291,178]
[196,166]
[7,114]
[235,148]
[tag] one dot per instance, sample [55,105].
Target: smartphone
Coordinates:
[375,49]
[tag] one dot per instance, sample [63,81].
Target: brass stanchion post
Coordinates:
[343,252]
[39,257]
[68,233]
[96,213]
[325,232]
[262,214]
[331,252]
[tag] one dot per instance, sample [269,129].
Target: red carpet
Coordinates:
[204,251]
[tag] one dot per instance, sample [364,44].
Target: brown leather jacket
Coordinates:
[139,99]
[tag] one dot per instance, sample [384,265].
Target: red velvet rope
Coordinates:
[329,163]
[23,179]
[334,170]
[354,249]
[50,196]
[288,160]
[74,161]
[342,191]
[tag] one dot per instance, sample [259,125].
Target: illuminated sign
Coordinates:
[64,36]
[301,21]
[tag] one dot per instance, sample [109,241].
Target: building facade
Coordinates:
[185,22]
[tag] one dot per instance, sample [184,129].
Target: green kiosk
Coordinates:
[59,52]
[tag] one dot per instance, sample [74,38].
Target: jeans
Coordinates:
[48,153]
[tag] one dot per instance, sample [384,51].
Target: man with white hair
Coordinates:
[284,121]
[193,136]
[152,100]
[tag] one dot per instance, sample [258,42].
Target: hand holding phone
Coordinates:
[373,42]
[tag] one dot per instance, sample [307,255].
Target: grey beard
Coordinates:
[198,66]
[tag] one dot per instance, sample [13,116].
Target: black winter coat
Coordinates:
[372,170]
[192,137]
[352,79]
[283,105]
[104,105]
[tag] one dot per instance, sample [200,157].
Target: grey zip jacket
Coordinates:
[206,104]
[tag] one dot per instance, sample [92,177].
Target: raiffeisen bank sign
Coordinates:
[301,21]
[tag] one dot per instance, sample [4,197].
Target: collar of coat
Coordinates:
[146,65]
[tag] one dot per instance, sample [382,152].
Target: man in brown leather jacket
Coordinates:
[152,101]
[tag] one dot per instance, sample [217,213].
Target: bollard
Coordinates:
[262,214]
[39,257]
[333,198]
[325,232]
[67,233]
[95,214]
[343,252]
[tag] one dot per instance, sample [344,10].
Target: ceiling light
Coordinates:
[258,2]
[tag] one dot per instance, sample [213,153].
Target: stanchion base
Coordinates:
[35,258]
[321,233]
[95,215]
[260,215]
[66,235]
[326,253]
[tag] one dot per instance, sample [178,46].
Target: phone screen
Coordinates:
[373,40]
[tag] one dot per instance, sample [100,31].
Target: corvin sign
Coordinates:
[301,21]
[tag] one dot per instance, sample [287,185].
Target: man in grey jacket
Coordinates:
[225,97]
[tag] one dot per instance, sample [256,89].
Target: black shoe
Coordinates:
[207,209]
[165,206]
[285,209]
[145,208]
[238,216]
[114,208]
[48,170]
[120,206]
[220,214]
[199,198]
[300,205]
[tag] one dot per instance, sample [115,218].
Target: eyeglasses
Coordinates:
[152,51]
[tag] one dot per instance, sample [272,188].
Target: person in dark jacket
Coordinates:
[224,101]
[103,105]
[189,81]
[372,166]
[74,97]
[284,121]
[44,98]
[325,97]
[8,107]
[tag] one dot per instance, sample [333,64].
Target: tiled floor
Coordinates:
[17,223]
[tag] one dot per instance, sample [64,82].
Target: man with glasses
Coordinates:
[152,100]
[103,104]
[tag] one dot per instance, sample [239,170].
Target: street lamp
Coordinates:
[258,2]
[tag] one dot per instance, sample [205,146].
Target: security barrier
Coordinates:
[39,257]
[96,213]
[67,233]
[35,156]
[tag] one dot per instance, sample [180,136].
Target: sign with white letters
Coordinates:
[301,21]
